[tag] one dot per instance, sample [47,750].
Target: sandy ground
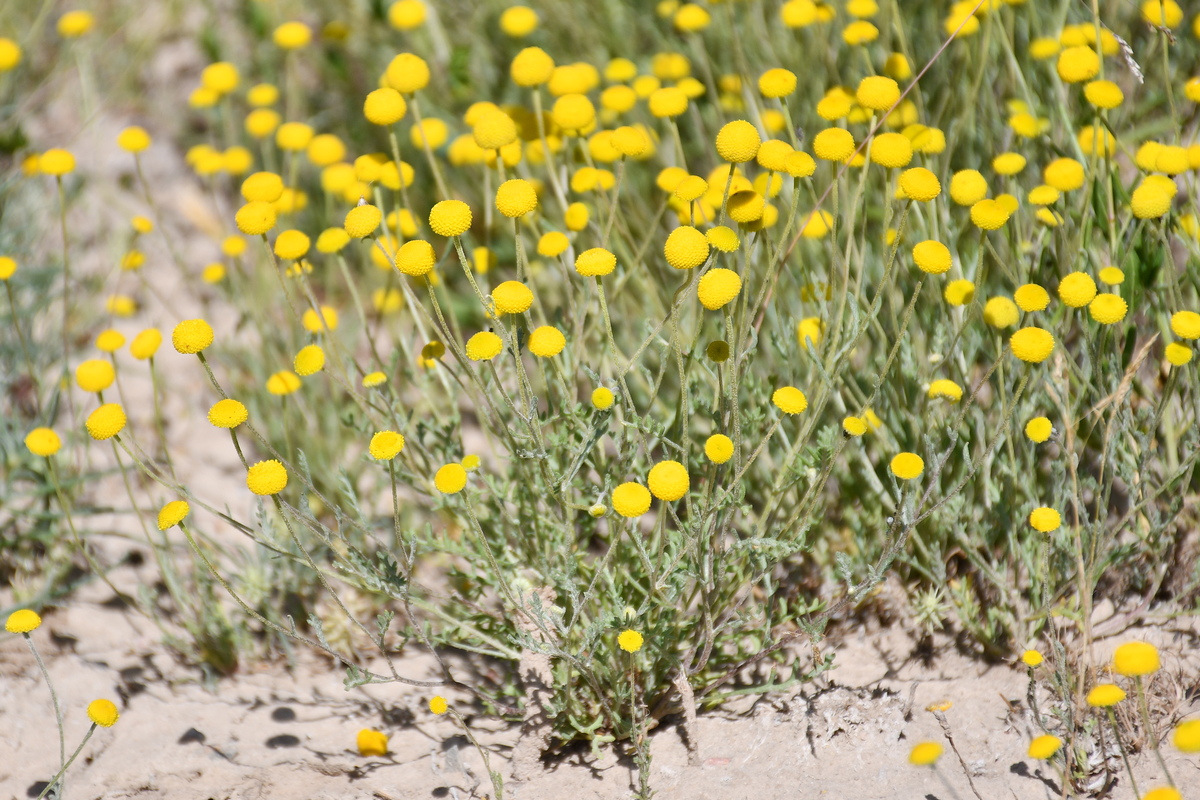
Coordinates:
[280,732]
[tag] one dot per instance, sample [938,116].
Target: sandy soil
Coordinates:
[279,732]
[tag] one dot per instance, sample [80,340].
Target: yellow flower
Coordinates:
[631,500]
[415,257]
[371,742]
[192,336]
[809,330]
[1038,429]
[789,400]
[1134,659]
[532,66]
[603,398]
[292,35]
[718,448]
[669,101]
[722,238]
[22,621]
[172,514]
[102,713]
[668,480]
[403,15]
[255,218]
[312,322]
[1163,793]
[1105,695]
[1043,747]
[573,113]
[833,144]
[106,421]
[968,187]
[718,287]
[945,388]
[1186,324]
[595,262]
[1078,64]
[1045,520]
[1008,163]
[450,479]
[1103,94]
[920,184]
[309,361]
[988,214]
[553,244]
[1178,354]
[518,21]
[925,754]
[450,218]
[1031,297]
[1000,312]
[372,379]
[386,445]
[877,93]
[1031,658]
[57,162]
[932,257]
[891,150]
[484,346]
[74,24]
[361,221]
[1164,13]
[777,83]
[1150,201]
[95,375]
[494,129]
[1077,289]
[133,139]
[959,292]
[1186,736]
[227,413]
[1108,309]
[1032,345]
[630,641]
[283,382]
[43,442]
[686,247]
[907,466]
[1064,174]
[267,478]
[546,341]
[10,54]
[854,426]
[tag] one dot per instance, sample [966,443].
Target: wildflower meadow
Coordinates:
[598,389]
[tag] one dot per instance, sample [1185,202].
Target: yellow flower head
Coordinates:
[546,341]
[631,500]
[227,413]
[106,421]
[450,218]
[877,93]
[1134,659]
[668,480]
[1031,658]
[516,198]
[920,184]
[267,478]
[1187,736]
[925,754]
[907,466]
[1030,297]
[932,257]
[1105,695]
[718,287]
[1045,520]
[1038,429]
[1077,289]
[718,448]
[789,400]
[630,641]
[1045,746]
[95,375]
[372,742]
[595,262]
[532,66]
[22,621]
[172,514]
[43,442]
[484,346]
[386,445]
[1032,345]
[603,398]
[450,479]
[361,221]
[686,247]
[102,713]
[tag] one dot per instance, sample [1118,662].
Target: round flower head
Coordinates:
[1077,289]
[573,113]
[191,336]
[516,198]
[932,257]
[746,207]
[1103,94]
[361,221]
[1113,276]
[106,421]
[95,375]
[291,245]
[959,292]
[789,400]
[531,67]
[777,83]
[262,187]
[907,466]
[1150,201]
[833,144]
[484,346]
[450,479]
[925,754]
[22,621]
[172,514]
[371,742]
[1108,309]
[10,54]
[718,287]
[1105,695]
[386,445]
[57,162]
[603,398]
[102,713]
[450,218]
[415,257]
[133,139]
[384,106]
[512,297]
[1000,312]
[266,477]
[1032,345]
[546,341]
[1064,174]
[494,129]
[309,361]
[723,238]
[1186,324]
[718,448]
[877,93]
[920,184]
[283,382]
[292,35]
[738,141]
[1045,520]
[988,214]
[772,155]
[968,187]
[110,341]
[255,218]
[1078,64]
[8,268]
[595,262]
[945,388]
[553,244]
[1043,747]
[685,248]
[227,413]
[43,442]
[1038,429]
[518,21]
[630,141]
[1008,163]
[1031,658]
[668,480]
[1187,736]
[631,499]
[1031,297]
[854,426]
[630,641]
[1134,659]
[669,101]
[1178,354]
[407,73]
[799,165]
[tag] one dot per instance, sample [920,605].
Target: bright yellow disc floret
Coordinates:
[266,477]
[484,346]
[631,499]
[512,297]
[718,448]
[1032,345]
[789,400]
[907,466]
[191,336]
[718,287]
[668,480]
[1045,520]
[685,248]
[516,197]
